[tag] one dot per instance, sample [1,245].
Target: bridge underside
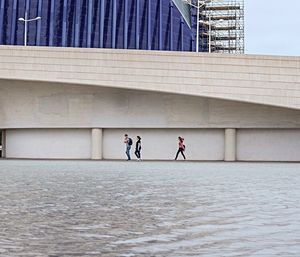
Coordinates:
[78,104]
[52,120]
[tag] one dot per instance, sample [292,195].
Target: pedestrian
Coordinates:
[181,147]
[128,143]
[138,148]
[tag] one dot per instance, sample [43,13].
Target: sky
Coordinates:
[272,27]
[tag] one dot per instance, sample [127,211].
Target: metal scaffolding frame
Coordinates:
[223,26]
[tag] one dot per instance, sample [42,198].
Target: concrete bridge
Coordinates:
[77,103]
[269,80]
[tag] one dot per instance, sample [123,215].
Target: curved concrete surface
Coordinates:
[268,80]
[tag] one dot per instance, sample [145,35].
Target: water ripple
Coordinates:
[56,208]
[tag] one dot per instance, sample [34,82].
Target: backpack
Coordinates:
[129,141]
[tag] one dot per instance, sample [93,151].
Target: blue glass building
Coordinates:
[125,24]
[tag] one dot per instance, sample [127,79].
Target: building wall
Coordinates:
[126,24]
[157,144]
[48,143]
[47,91]
[53,105]
[268,80]
[51,120]
[161,144]
[268,144]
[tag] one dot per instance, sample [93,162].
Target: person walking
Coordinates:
[138,148]
[128,143]
[181,147]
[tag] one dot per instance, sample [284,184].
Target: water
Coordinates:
[162,209]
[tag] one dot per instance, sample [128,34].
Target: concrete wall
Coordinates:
[270,80]
[51,98]
[157,144]
[162,144]
[268,145]
[63,117]
[48,143]
[50,105]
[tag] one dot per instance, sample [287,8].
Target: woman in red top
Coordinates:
[181,147]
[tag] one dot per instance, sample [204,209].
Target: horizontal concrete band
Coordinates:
[55,105]
[157,144]
[267,80]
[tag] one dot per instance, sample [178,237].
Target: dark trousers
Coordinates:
[180,150]
[137,153]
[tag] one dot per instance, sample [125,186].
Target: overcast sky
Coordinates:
[272,27]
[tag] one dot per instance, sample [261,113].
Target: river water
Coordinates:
[82,208]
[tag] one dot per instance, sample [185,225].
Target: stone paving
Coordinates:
[128,209]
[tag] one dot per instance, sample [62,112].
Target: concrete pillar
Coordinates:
[3,143]
[230,145]
[97,144]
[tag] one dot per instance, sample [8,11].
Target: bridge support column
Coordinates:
[97,141]
[3,144]
[230,145]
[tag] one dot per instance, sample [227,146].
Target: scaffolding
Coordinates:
[222,24]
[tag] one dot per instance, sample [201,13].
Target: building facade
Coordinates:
[70,103]
[122,24]
[77,103]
